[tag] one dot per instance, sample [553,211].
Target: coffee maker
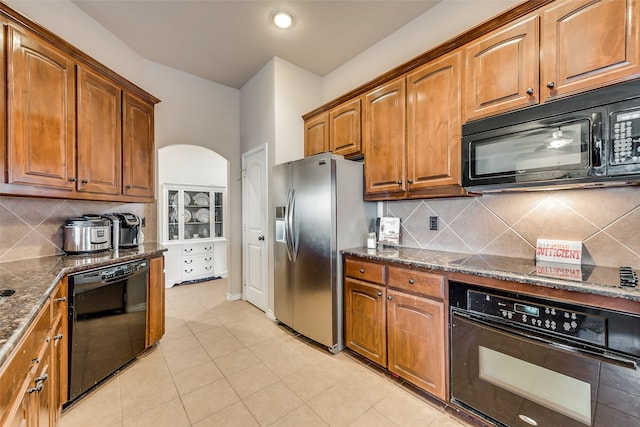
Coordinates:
[129,230]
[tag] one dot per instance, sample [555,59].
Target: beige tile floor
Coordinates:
[225,363]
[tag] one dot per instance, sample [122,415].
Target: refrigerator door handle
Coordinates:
[287,231]
[291,220]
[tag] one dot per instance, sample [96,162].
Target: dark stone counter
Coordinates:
[604,281]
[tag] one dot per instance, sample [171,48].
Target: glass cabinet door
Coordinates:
[173,212]
[193,213]
[218,214]
[197,214]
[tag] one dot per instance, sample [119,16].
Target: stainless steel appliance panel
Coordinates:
[283,271]
[319,210]
[314,246]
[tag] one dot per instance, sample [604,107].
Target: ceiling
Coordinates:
[229,41]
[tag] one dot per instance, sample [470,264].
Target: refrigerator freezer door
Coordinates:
[313,235]
[283,273]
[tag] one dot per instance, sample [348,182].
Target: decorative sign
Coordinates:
[559,271]
[389,231]
[562,251]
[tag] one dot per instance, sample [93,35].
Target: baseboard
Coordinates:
[234,297]
[269,313]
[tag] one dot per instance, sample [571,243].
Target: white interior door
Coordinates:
[254,220]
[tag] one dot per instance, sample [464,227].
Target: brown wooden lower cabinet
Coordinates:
[155,298]
[27,378]
[365,319]
[399,323]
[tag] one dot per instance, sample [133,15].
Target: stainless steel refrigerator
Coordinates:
[319,210]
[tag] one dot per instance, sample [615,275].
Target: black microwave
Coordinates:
[591,139]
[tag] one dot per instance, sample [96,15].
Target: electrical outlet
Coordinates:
[433,223]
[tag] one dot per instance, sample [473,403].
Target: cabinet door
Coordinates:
[433,124]
[40,112]
[316,135]
[43,385]
[138,147]
[501,70]
[416,341]
[155,303]
[384,138]
[345,137]
[587,44]
[99,134]
[365,320]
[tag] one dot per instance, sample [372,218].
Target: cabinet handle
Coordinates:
[261,238]
[85,181]
[72,179]
[35,389]
[379,294]
[208,248]
[530,91]
[389,297]
[410,181]
[551,85]
[361,270]
[188,249]
[399,182]
[58,337]
[208,268]
[127,186]
[61,299]
[189,270]
[40,380]
[411,282]
[188,261]
[208,259]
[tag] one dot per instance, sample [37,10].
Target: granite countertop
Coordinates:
[34,279]
[604,281]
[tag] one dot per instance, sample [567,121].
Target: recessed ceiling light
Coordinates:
[282,19]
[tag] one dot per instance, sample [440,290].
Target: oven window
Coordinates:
[546,149]
[566,395]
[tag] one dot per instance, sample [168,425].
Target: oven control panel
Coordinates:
[547,318]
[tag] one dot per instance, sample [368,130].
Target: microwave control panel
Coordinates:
[625,138]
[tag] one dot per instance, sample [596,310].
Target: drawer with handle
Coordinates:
[418,282]
[367,271]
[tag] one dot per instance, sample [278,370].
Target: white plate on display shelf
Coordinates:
[201,199]
[187,198]
[202,215]
[187,215]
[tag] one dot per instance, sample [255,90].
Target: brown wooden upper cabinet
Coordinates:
[345,136]
[588,44]
[567,47]
[40,112]
[316,135]
[385,139]
[138,147]
[501,70]
[99,133]
[412,133]
[338,131]
[73,128]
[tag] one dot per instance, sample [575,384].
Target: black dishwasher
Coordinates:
[107,322]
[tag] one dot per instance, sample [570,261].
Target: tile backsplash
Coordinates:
[31,227]
[607,221]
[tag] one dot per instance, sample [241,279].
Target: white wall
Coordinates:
[444,21]
[297,91]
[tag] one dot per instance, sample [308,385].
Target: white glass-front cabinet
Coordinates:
[192,225]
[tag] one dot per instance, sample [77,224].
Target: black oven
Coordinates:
[524,361]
